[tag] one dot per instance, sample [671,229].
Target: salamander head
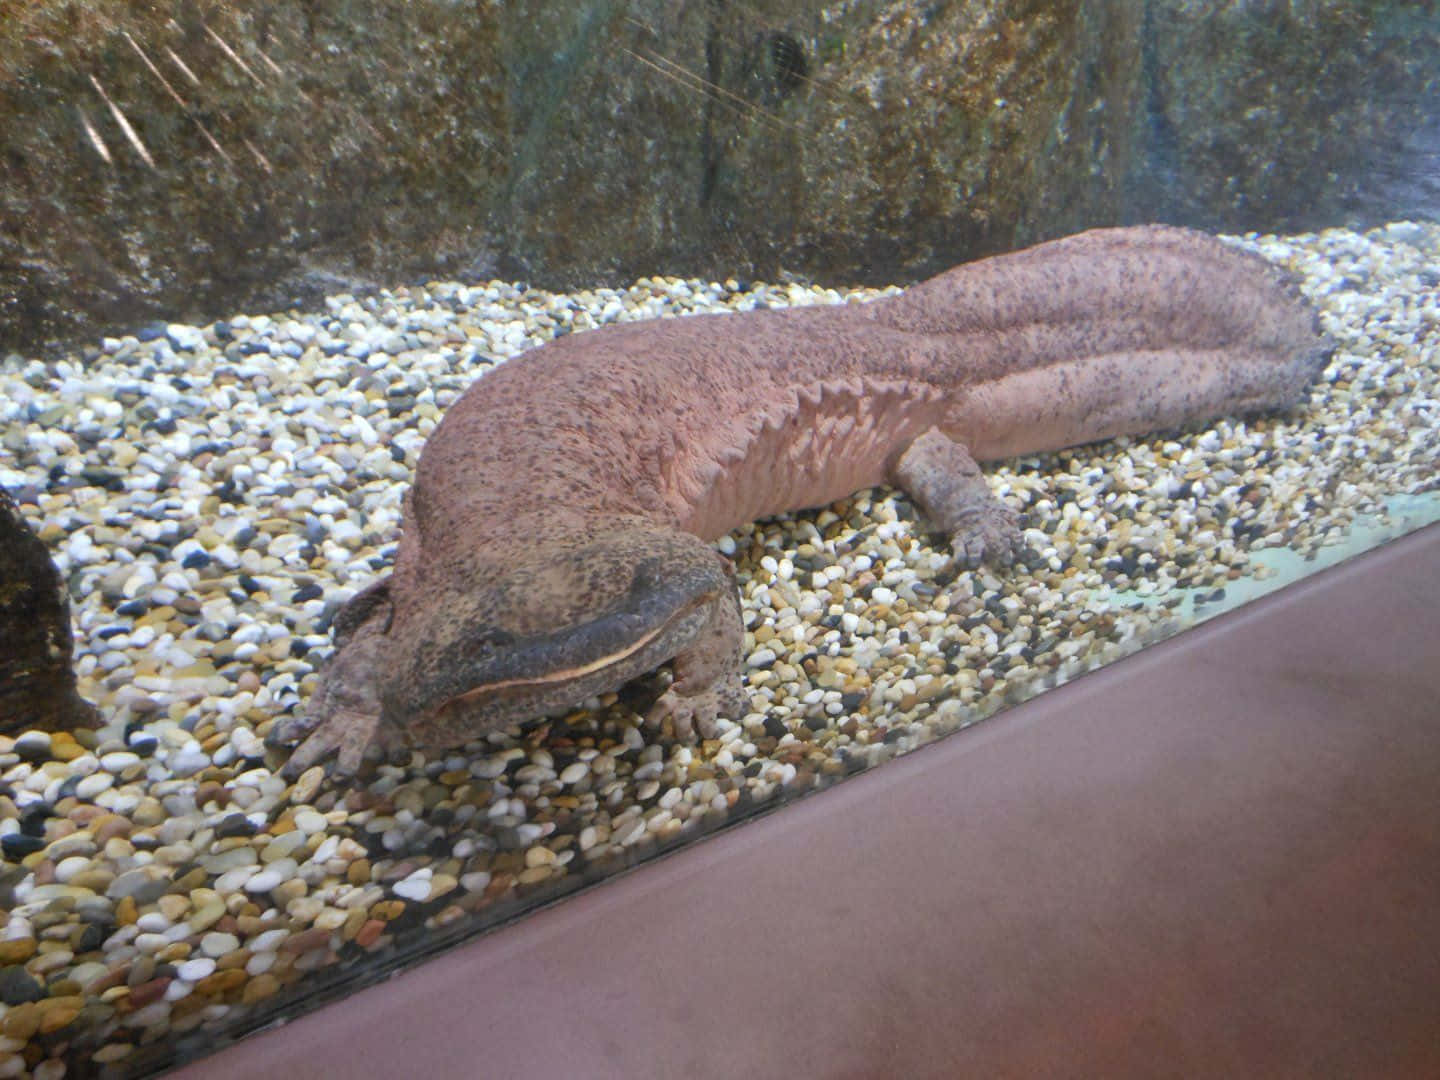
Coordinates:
[502,642]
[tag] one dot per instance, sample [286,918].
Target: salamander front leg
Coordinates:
[940,475]
[707,674]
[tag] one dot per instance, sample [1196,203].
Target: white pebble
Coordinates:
[196,969]
[93,785]
[264,881]
[414,887]
[217,944]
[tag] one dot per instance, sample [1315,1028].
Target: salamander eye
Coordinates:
[488,641]
[646,580]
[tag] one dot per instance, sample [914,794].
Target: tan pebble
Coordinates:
[21,1021]
[289,890]
[148,812]
[185,1013]
[237,959]
[501,882]
[440,884]
[125,911]
[66,752]
[330,919]
[117,848]
[248,682]
[57,1012]
[305,941]
[176,950]
[146,992]
[533,875]
[259,988]
[358,872]
[250,925]
[221,981]
[173,906]
[65,987]
[192,879]
[307,785]
[449,914]
[304,908]
[110,1053]
[389,910]
[369,933]
[354,919]
[96,880]
[16,950]
[206,916]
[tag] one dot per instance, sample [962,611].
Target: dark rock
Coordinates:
[37,684]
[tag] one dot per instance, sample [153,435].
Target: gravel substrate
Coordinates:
[213,494]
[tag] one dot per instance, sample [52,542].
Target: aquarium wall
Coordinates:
[251,257]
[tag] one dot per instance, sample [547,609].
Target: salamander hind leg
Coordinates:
[707,682]
[940,475]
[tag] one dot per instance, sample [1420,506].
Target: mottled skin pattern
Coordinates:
[555,541]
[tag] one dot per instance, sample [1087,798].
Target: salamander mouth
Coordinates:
[573,676]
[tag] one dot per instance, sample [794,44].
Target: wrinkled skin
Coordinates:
[553,545]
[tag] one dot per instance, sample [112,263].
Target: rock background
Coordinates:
[308,145]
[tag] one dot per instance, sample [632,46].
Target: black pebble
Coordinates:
[32,821]
[18,845]
[104,478]
[17,986]
[852,700]
[307,592]
[32,751]
[775,727]
[196,560]
[235,825]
